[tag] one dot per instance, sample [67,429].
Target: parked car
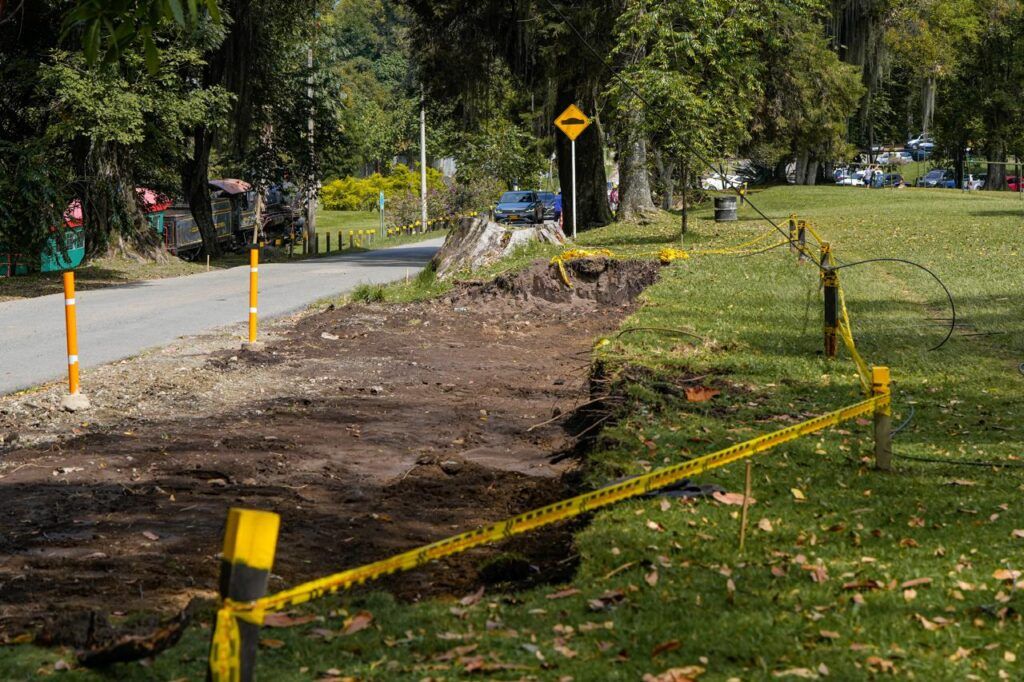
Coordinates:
[892,158]
[519,207]
[974,182]
[938,178]
[922,152]
[1012,183]
[548,199]
[718,182]
[887,180]
[923,138]
[853,180]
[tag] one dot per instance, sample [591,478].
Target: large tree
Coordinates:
[472,54]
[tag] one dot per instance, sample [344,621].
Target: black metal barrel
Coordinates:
[725,209]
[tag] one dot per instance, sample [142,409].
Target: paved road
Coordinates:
[120,321]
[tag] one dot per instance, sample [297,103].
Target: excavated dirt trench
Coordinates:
[370,429]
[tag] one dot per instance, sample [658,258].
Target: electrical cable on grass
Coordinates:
[939,460]
[905,424]
[949,295]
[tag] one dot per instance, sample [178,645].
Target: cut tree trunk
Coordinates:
[685,219]
[634,184]
[478,241]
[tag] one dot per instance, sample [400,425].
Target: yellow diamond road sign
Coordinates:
[572,122]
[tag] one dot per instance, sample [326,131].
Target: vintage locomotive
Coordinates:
[234,218]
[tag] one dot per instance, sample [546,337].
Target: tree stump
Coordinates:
[477,242]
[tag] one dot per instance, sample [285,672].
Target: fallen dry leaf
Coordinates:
[271,643]
[1017,533]
[471,599]
[150,535]
[909,595]
[730,498]
[798,495]
[805,673]
[562,594]
[652,578]
[283,620]
[670,645]
[700,394]
[655,526]
[878,664]
[765,525]
[916,582]
[358,622]
[1006,575]
[687,673]
[960,654]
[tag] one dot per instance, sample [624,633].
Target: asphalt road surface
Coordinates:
[118,322]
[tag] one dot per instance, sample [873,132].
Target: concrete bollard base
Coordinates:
[74,402]
[254,346]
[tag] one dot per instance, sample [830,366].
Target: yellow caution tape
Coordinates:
[668,254]
[559,511]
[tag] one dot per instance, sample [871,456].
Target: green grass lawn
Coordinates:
[848,573]
[338,224]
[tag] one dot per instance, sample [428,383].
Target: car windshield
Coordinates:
[546,196]
[516,198]
[935,175]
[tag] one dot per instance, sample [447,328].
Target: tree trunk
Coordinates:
[927,103]
[812,172]
[195,183]
[666,178]
[801,167]
[591,181]
[111,215]
[958,166]
[996,171]
[684,216]
[781,171]
[634,184]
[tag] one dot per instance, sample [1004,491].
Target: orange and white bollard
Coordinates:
[254,287]
[75,400]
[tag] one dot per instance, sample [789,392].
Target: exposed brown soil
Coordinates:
[370,429]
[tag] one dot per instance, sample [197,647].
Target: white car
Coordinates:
[890,158]
[916,142]
[854,180]
[717,182]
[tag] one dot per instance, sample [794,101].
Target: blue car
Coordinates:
[552,206]
[938,178]
[523,207]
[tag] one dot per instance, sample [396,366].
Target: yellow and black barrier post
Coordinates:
[250,542]
[883,419]
[830,281]
[792,232]
[328,242]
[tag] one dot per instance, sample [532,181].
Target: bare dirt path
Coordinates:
[370,429]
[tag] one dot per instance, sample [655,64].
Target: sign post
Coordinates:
[380,202]
[572,122]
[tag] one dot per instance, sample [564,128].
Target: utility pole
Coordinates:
[423,161]
[311,189]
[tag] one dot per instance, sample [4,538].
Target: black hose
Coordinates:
[952,305]
[906,422]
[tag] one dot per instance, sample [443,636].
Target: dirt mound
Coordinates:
[595,282]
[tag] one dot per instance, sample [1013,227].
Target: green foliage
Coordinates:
[501,150]
[361,194]
[368,293]
[33,196]
[109,29]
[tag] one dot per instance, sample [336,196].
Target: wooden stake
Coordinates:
[746,506]
[207,262]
